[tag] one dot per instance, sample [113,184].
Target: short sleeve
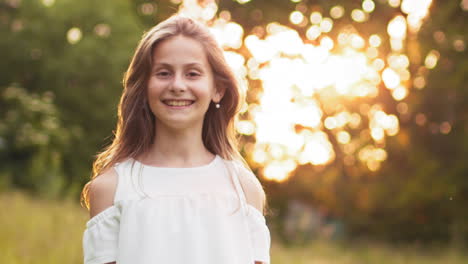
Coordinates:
[100,239]
[259,234]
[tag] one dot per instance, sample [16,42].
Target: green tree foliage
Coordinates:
[81,68]
[31,142]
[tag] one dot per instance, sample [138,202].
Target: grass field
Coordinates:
[46,232]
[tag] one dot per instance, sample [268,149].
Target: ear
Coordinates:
[219,94]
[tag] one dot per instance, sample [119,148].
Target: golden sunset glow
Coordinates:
[308,90]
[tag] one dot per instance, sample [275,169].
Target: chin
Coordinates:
[180,124]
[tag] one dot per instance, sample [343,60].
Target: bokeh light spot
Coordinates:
[397,27]
[313,32]
[326,24]
[343,137]
[459,45]
[445,128]
[431,59]
[394,3]
[368,6]
[420,119]
[315,17]
[358,15]
[147,9]
[296,17]
[74,35]
[375,40]
[102,30]
[337,12]
[391,78]
[48,3]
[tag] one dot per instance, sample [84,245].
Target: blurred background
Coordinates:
[355,120]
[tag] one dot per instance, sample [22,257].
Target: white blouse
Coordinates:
[195,215]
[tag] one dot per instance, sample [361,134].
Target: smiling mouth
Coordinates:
[178,102]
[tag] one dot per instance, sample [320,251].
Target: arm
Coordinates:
[102,191]
[101,194]
[100,239]
[254,193]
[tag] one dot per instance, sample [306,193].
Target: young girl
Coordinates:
[172,188]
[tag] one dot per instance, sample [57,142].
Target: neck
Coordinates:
[177,148]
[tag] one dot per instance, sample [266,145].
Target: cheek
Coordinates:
[205,95]
[153,89]
[207,90]
[150,92]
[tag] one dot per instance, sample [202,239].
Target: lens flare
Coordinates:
[310,89]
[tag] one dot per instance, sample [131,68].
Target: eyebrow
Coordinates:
[185,65]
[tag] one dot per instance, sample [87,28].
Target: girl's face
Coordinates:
[181,85]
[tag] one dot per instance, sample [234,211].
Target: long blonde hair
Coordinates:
[135,131]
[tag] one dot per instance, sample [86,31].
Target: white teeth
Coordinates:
[178,103]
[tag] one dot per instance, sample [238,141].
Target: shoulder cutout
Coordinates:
[102,191]
[252,187]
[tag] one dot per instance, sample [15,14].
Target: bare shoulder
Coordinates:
[102,191]
[252,187]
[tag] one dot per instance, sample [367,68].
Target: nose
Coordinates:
[178,84]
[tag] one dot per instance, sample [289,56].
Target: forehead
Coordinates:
[179,50]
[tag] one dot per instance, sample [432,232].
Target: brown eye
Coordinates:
[193,74]
[163,74]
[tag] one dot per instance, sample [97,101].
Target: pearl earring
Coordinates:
[217,105]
